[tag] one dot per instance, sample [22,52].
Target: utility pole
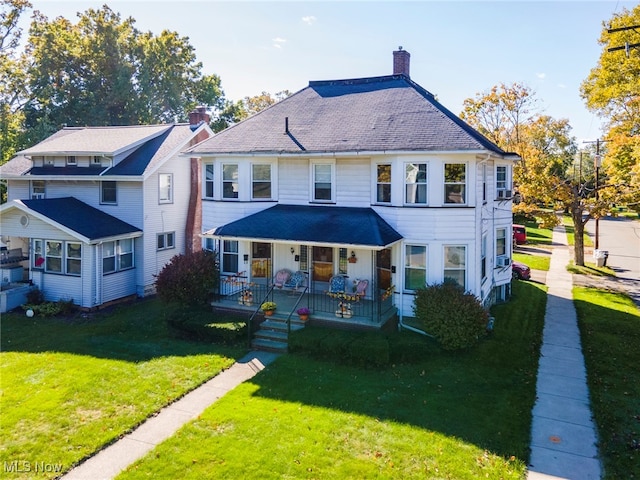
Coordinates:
[627,46]
[597,163]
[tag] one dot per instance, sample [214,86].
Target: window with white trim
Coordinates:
[166,240]
[108,193]
[415,267]
[502,181]
[38,189]
[37,254]
[455,264]
[165,188]
[484,182]
[230,256]
[208,180]
[483,257]
[501,241]
[71,160]
[415,183]
[209,244]
[455,181]
[322,182]
[229,181]
[261,181]
[74,258]
[117,255]
[383,183]
[53,256]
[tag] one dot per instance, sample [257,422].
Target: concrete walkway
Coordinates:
[563,435]
[109,462]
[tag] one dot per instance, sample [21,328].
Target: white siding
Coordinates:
[353,182]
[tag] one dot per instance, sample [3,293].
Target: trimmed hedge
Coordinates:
[364,349]
[202,325]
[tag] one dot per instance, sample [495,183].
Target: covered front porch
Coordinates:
[335,261]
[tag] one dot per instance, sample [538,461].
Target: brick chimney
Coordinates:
[198,116]
[401,62]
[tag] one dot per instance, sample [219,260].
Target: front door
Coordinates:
[260,262]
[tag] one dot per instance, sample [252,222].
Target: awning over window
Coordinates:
[312,224]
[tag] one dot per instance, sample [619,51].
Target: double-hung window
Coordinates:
[38,189]
[455,262]
[483,257]
[165,188]
[230,256]
[230,181]
[117,255]
[383,183]
[74,258]
[261,181]
[166,240]
[502,181]
[415,267]
[415,182]
[208,180]
[501,241]
[455,177]
[53,256]
[322,182]
[108,193]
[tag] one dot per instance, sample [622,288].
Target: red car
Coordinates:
[519,234]
[520,271]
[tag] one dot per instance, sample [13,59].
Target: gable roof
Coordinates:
[86,222]
[94,140]
[318,224]
[377,114]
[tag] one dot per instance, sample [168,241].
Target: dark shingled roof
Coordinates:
[390,113]
[66,171]
[83,219]
[317,224]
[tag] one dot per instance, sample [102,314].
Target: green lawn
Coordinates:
[610,329]
[536,262]
[537,235]
[71,386]
[568,224]
[464,416]
[591,269]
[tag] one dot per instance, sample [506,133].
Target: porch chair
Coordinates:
[337,284]
[295,281]
[361,288]
[281,278]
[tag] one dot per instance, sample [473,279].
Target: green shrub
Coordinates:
[456,319]
[35,296]
[188,279]
[51,309]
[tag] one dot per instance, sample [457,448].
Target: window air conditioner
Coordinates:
[503,261]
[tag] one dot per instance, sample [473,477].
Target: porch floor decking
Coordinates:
[321,305]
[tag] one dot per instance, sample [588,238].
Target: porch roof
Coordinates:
[313,224]
[79,219]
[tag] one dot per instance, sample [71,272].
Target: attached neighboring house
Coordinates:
[363,190]
[96,212]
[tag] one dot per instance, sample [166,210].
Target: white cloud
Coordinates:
[541,76]
[562,85]
[309,19]
[278,41]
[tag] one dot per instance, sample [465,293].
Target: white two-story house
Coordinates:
[95,212]
[367,179]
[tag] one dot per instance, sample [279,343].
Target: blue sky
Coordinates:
[457,48]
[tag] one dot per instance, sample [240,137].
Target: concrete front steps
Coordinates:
[272,335]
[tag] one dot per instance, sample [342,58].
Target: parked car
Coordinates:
[519,234]
[520,271]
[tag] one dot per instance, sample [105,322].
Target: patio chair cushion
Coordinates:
[361,288]
[281,277]
[336,284]
[296,280]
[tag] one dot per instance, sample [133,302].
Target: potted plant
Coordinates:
[268,308]
[303,313]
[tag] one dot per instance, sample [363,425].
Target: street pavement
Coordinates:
[620,236]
